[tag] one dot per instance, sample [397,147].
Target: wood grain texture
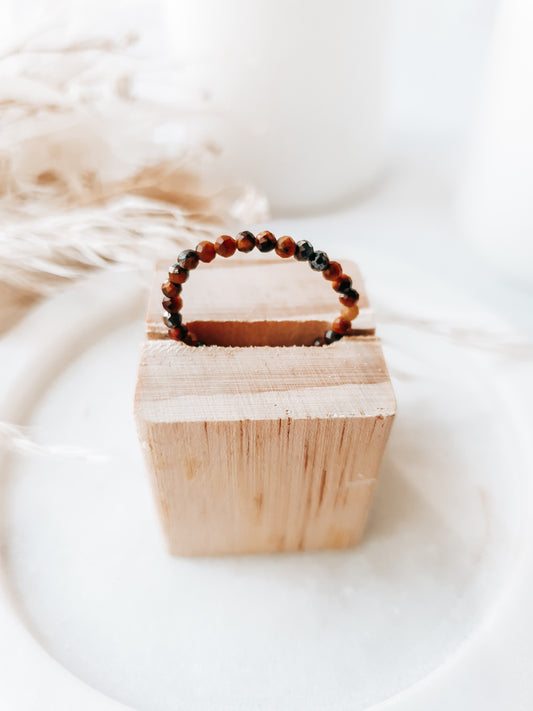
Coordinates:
[265,448]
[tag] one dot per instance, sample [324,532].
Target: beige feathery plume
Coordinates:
[85,179]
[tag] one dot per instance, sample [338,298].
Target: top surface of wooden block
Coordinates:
[265,312]
[257,300]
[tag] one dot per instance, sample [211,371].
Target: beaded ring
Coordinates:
[285,247]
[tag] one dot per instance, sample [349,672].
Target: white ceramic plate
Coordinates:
[430,611]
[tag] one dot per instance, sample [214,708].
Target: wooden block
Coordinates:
[269,447]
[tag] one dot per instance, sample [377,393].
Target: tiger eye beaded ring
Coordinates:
[284,247]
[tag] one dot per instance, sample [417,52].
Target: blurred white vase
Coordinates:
[495,205]
[294,90]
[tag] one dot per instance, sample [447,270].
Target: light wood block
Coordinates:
[268,447]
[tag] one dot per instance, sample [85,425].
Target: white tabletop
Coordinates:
[431,611]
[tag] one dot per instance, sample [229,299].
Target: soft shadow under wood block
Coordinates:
[269,447]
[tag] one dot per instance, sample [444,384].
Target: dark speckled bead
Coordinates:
[350,312]
[319,261]
[172,320]
[332,335]
[265,241]
[285,247]
[188,259]
[245,241]
[177,275]
[342,284]
[304,251]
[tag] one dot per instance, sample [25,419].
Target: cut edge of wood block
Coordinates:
[347,379]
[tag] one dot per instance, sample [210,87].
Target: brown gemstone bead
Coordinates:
[177,275]
[171,290]
[349,297]
[285,247]
[225,246]
[341,325]
[349,313]
[342,284]
[333,272]
[173,305]
[177,334]
[206,251]
[265,241]
[188,259]
[245,241]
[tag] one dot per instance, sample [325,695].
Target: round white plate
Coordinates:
[430,611]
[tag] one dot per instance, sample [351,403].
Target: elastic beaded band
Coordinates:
[285,247]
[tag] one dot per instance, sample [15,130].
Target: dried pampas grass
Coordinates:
[16,440]
[95,172]
[86,180]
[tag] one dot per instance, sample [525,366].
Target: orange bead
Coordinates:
[225,246]
[206,251]
[349,313]
[285,247]
[333,272]
[340,325]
